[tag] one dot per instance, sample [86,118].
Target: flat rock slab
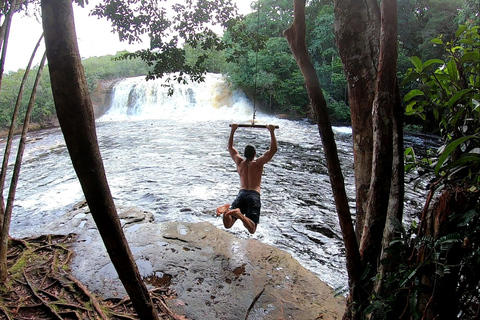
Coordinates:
[215,274]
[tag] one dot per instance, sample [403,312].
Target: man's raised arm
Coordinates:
[268,155]
[231,149]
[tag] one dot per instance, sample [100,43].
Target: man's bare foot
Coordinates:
[222,209]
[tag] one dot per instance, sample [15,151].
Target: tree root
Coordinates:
[40,288]
[5,312]
[45,304]
[93,300]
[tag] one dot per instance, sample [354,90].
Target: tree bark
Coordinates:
[75,114]
[397,195]
[383,106]
[295,36]
[357,30]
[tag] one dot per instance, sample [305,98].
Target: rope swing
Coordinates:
[253,125]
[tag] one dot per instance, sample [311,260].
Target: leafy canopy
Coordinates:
[169,30]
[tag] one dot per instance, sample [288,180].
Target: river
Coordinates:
[168,154]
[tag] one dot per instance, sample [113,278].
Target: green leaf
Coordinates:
[458,96]
[416,62]
[471,57]
[448,150]
[430,62]
[436,41]
[460,30]
[413,93]
[452,70]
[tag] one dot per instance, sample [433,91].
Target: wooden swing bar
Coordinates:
[247,125]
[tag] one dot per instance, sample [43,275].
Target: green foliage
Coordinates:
[421,20]
[470,12]
[449,90]
[259,60]
[170,31]
[324,53]
[211,60]
[96,68]
[112,67]
[439,261]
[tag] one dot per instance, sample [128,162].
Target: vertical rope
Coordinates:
[256,68]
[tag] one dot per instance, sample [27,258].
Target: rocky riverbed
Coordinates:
[215,274]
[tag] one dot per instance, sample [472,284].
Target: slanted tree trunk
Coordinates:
[5,225]
[75,114]
[296,39]
[5,32]
[15,176]
[8,145]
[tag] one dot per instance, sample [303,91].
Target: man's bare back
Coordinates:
[250,173]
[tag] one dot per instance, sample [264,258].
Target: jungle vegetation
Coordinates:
[419,58]
[258,59]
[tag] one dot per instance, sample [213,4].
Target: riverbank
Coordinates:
[214,274]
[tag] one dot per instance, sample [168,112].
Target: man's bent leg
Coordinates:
[228,220]
[236,213]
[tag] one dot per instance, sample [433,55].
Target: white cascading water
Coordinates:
[213,99]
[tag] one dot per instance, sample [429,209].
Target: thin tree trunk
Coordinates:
[5,34]
[15,175]
[397,195]
[8,146]
[75,114]
[296,39]
[357,30]
[3,27]
[383,115]
[4,216]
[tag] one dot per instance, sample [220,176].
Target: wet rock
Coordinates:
[215,274]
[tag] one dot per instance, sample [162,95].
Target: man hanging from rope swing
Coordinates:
[246,206]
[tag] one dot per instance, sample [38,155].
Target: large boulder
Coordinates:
[215,274]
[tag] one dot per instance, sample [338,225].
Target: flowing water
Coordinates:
[168,154]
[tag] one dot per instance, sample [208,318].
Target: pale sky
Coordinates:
[94,36]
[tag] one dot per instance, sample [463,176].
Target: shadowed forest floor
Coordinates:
[39,286]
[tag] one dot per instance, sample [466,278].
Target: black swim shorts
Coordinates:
[248,201]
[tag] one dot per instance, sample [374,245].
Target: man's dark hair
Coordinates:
[249,152]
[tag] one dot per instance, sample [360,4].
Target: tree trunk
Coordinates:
[397,195]
[367,46]
[75,114]
[15,175]
[296,39]
[357,30]
[4,33]
[383,106]
[11,130]
[4,217]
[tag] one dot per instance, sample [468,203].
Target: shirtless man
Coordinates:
[246,207]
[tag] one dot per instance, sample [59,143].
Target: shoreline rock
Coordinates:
[214,274]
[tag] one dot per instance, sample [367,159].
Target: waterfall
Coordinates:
[213,99]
